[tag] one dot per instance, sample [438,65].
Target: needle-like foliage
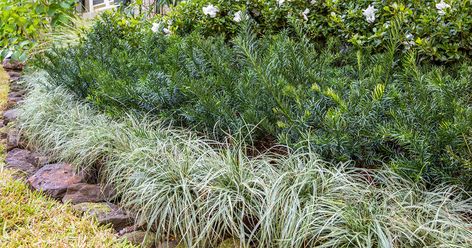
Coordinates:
[342,103]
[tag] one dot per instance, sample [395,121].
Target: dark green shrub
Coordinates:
[442,30]
[344,104]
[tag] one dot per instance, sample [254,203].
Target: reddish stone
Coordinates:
[33,158]
[14,100]
[19,93]
[14,74]
[13,140]
[8,65]
[117,218]
[54,179]
[83,192]
[21,155]
[14,79]
[10,116]
[21,160]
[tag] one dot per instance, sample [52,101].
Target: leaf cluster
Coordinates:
[24,23]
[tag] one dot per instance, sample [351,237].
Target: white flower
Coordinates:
[305,14]
[155,27]
[313,2]
[409,36]
[280,2]
[409,44]
[442,6]
[166,31]
[210,10]
[369,14]
[238,16]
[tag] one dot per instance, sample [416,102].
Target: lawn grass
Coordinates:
[30,219]
[4,89]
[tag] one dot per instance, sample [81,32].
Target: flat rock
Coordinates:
[141,238]
[117,218]
[14,79]
[8,65]
[10,116]
[33,158]
[14,139]
[54,179]
[106,213]
[21,155]
[19,93]
[83,192]
[22,160]
[14,100]
[13,73]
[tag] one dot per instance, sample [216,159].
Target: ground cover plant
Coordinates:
[183,187]
[344,103]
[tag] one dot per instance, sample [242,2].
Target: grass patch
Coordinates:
[30,219]
[4,89]
[183,187]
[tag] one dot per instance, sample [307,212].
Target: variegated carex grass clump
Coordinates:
[201,192]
